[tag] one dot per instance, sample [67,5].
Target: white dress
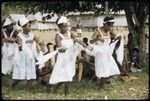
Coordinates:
[8,52]
[105,64]
[64,68]
[25,59]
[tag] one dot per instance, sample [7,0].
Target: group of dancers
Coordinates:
[20,56]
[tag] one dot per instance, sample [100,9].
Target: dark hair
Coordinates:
[49,44]
[85,40]
[107,18]
[60,24]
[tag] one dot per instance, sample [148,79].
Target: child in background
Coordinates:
[44,71]
[85,65]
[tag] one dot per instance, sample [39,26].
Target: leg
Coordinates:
[102,82]
[98,80]
[48,87]
[15,82]
[44,81]
[57,86]
[37,73]
[29,85]
[66,88]
[93,78]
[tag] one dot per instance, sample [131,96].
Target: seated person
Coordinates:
[44,72]
[85,64]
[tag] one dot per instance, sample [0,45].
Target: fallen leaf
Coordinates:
[39,94]
[115,91]
[18,97]
[105,97]
[132,89]
[6,95]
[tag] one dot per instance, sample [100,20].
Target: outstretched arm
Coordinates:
[78,40]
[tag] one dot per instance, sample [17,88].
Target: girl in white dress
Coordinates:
[9,45]
[105,65]
[24,68]
[64,68]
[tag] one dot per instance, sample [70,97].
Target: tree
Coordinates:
[136,14]
[10,7]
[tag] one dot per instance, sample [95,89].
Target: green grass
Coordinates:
[136,89]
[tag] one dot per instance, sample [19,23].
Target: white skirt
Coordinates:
[8,52]
[64,68]
[24,67]
[105,64]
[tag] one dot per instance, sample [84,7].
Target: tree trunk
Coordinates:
[136,25]
[106,8]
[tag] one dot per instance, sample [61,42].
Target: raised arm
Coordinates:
[95,36]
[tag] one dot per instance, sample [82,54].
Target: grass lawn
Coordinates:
[136,89]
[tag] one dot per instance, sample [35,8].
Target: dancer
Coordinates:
[9,41]
[24,68]
[64,68]
[105,65]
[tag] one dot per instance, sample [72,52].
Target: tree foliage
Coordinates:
[58,8]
